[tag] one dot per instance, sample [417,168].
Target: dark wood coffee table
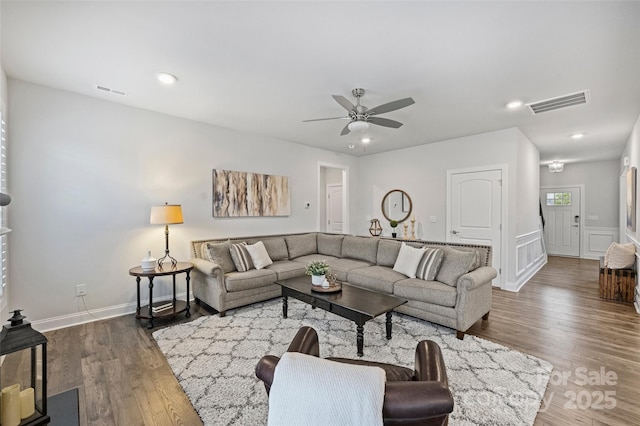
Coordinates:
[353,303]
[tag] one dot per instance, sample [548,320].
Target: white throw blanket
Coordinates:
[307,390]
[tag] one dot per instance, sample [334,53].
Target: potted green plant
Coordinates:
[393,224]
[317,269]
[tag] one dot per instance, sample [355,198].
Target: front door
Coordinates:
[561,214]
[476,211]
[334,208]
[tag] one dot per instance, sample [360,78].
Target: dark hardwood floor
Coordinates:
[123,379]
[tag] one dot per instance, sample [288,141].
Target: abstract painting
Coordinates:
[242,194]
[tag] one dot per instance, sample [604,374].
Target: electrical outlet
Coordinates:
[81,290]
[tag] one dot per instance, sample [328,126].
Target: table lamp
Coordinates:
[169,214]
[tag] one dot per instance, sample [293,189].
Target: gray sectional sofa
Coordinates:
[458,297]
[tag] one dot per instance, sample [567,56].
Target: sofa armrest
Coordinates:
[476,278]
[306,342]
[429,365]
[416,400]
[207,267]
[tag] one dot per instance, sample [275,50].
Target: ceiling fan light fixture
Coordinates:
[358,126]
[365,140]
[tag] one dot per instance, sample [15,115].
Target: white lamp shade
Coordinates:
[358,126]
[169,214]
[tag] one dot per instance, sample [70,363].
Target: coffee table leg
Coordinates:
[389,325]
[285,306]
[360,338]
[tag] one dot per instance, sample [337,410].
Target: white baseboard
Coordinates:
[99,314]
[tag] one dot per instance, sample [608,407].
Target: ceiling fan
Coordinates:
[360,116]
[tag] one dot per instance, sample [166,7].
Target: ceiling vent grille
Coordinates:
[109,90]
[560,102]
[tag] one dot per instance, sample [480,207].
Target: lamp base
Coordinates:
[166,256]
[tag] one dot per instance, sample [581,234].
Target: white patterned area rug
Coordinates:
[214,360]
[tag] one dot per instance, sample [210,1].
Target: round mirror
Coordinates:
[396,205]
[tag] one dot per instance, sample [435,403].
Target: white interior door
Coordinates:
[334,208]
[561,213]
[476,211]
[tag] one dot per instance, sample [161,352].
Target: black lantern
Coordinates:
[24,393]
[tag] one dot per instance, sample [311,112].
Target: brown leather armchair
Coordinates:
[418,397]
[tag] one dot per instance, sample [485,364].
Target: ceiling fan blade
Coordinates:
[331,118]
[346,130]
[391,106]
[384,122]
[346,103]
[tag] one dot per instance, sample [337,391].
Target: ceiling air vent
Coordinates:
[109,90]
[560,102]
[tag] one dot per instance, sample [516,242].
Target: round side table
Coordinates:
[164,308]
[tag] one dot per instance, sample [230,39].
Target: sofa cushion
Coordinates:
[377,278]
[342,267]
[455,264]
[429,264]
[241,257]
[219,254]
[259,256]
[408,260]
[620,256]
[426,291]
[360,248]
[387,252]
[301,245]
[277,248]
[287,269]
[330,245]
[254,278]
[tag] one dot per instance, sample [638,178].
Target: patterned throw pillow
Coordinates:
[241,257]
[429,264]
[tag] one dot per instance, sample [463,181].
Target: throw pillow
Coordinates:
[408,260]
[620,256]
[429,264]
[259,255]
[455,264]
[219,254]
[241,257]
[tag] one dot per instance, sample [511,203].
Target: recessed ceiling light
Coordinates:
[166,78]
[577,136]
[365,140]
[514,104]
[352,146]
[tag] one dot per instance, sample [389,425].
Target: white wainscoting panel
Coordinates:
[596,241]
[531,256]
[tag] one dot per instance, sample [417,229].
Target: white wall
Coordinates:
[84,174]
[601,181]
[601,188]
[3,107]
[422,171]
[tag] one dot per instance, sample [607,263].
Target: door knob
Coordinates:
[454,232]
